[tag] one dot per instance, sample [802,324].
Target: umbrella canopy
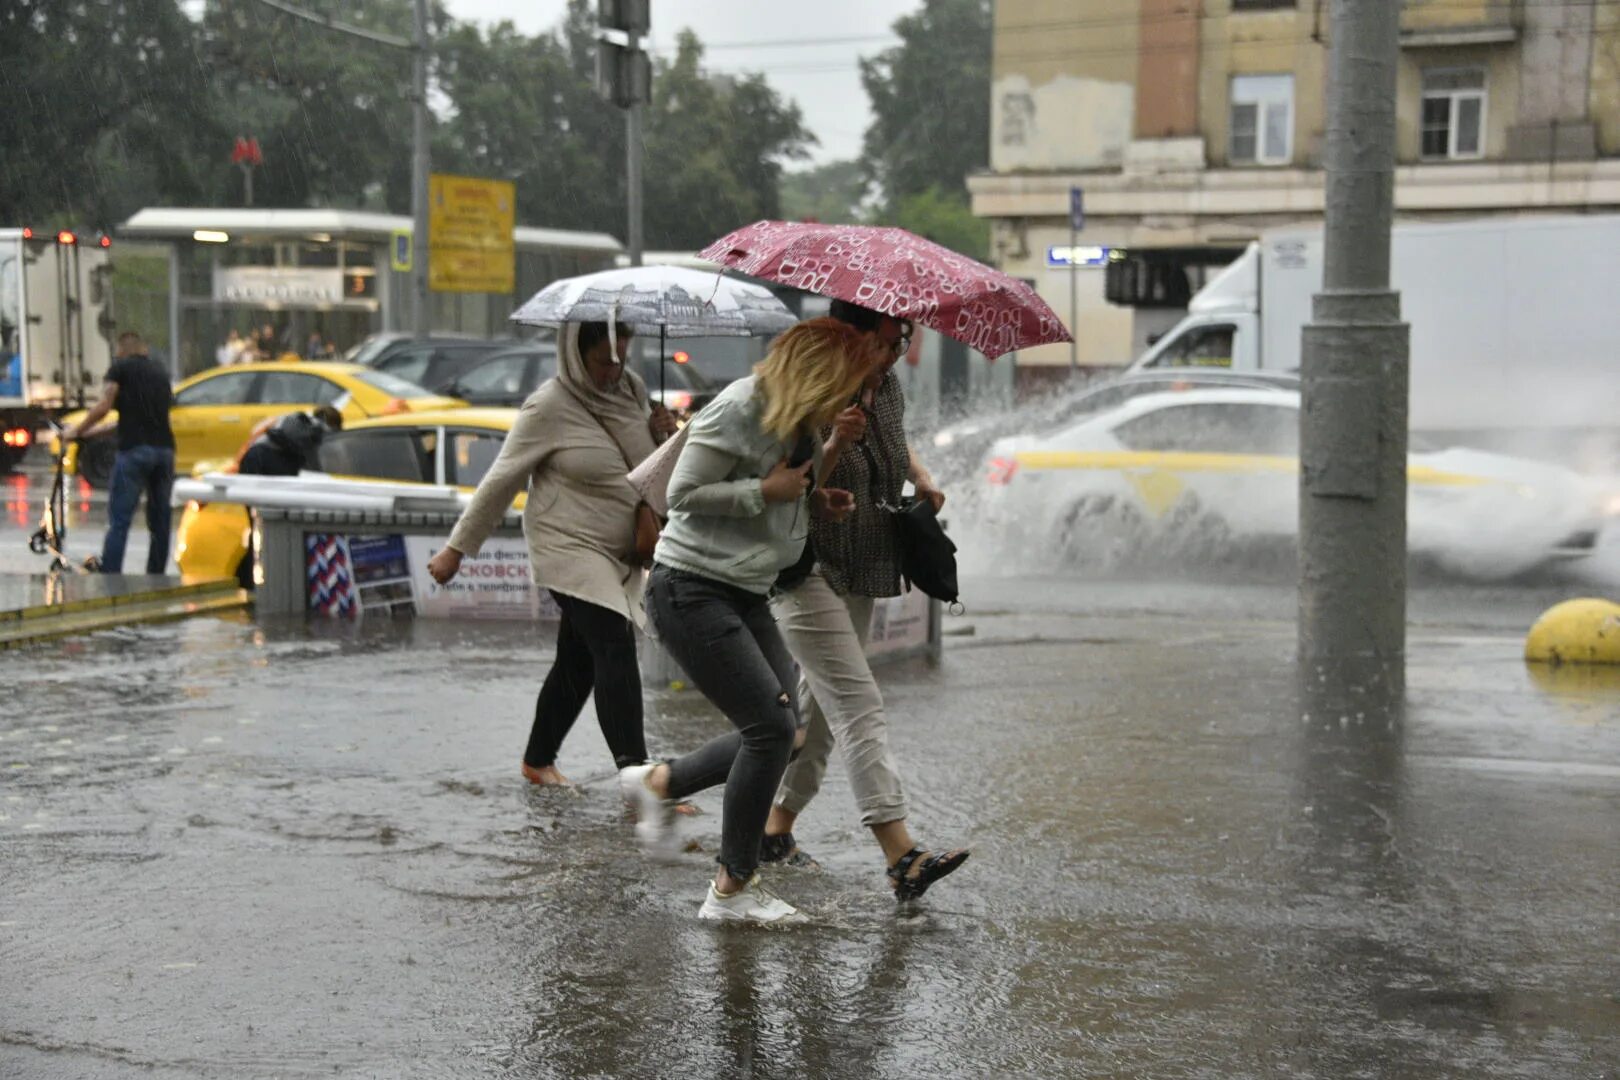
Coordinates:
[897,273]
[670,301]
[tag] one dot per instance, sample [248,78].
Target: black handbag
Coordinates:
[927,555]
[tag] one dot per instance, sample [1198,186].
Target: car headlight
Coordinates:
[1612,507]
[944,439]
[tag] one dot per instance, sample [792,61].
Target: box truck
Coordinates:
[1515,329]
[56,330]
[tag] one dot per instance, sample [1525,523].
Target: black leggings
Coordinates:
[596,650]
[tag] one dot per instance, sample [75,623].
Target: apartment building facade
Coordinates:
[1190,126]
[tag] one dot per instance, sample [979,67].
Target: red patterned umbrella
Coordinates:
[897,273]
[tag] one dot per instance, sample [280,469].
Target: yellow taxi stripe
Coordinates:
[1188,462]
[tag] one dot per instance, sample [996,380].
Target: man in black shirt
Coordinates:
[138,387]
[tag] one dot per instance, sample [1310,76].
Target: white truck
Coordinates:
[56,330]
[1515,328]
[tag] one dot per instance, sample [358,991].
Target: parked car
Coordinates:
[508,377]
[965,442]
[215,412]
[1221,466]
[505,378]
[453,447]
[381,345]
[435,365]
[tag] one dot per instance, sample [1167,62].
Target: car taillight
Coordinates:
[20,438]
[1002,470]
[678,401]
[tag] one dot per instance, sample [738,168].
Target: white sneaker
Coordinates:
[655,817]
[751,903]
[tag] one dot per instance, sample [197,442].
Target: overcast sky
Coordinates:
[822,78]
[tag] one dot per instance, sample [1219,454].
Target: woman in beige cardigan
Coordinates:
[572,444]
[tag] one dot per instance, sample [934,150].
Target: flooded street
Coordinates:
[306,850]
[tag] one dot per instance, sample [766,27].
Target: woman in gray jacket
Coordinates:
[740,500]
[571,445]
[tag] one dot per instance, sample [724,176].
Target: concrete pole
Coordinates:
[632,154]
[1352,505]
[420,312]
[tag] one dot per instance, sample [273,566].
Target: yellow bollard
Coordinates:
[1585,631]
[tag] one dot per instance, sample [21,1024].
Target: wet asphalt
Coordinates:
[287,850]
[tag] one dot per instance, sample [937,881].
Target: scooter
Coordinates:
[51,536]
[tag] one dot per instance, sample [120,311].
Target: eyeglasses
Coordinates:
[900,345]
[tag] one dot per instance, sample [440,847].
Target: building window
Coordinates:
[1454,113]
[1262,127]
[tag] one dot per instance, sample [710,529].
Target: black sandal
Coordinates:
[909,886]
[784,850]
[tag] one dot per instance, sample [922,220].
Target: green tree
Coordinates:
[105,110]
[522,109]
[930,100]
[331,112]
[834,193]
[526,109]
[714,150]
[946,218]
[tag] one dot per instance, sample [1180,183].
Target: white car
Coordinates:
[1212,467]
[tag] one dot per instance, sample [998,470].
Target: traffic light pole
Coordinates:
[632,167]
[1352,486]
[420,313]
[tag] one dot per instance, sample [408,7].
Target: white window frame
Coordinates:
[1453,99]
[1267,95]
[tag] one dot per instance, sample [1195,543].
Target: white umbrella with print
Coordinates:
[672,300]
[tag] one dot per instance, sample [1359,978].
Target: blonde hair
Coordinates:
[812,371]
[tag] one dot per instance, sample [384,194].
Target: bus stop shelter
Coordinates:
[327,272]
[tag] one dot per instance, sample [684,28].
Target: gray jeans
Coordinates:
[827,634]
[727,642]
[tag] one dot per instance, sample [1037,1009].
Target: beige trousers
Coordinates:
[826,633]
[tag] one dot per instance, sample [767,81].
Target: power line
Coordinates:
[789,43]
[330,23]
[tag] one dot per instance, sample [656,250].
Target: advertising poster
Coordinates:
[349,575]
[353,575]
[899,623]
[494,584]
[382,574]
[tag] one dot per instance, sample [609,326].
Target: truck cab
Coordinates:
[1222,326]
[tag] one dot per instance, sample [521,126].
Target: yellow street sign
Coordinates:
[470,222]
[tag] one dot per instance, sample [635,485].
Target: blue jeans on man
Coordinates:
[139,470]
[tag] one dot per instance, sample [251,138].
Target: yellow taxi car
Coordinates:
[453,447]
[216,411]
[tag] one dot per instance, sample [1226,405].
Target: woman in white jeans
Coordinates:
[825,621]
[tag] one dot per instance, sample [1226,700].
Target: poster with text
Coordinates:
[494,584]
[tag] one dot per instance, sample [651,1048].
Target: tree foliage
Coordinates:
[98,110]
[930,98]
[111,105]
[715,146]
[834,193]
